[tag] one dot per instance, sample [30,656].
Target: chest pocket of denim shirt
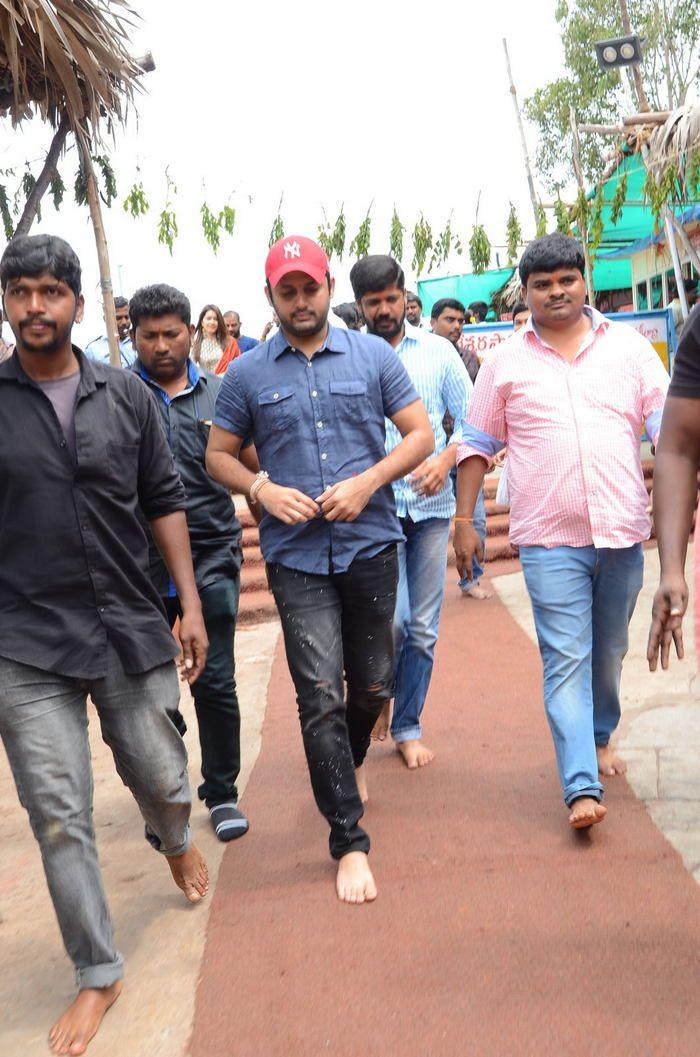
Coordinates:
[278,407]
[350,402]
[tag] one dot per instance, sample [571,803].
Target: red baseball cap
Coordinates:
[296,253]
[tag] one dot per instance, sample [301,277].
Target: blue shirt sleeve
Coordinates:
[397,388]
[232,411]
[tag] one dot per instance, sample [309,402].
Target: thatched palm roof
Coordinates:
[676,141]
[66,56]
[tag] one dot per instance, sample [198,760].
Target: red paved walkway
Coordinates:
[497,932]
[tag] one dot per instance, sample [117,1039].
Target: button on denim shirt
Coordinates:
[315,422]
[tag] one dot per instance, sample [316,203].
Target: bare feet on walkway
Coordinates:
[609,763]
[78,1025]
[381,727]
[361,778]
[478,592]
[415,754]
[586,812]
[354,883]
[190,873]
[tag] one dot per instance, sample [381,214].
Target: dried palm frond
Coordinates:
[508,295]
[675,142]
[67,56]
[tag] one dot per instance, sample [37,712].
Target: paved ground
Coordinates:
[659,735]
[161,938]
[496,933]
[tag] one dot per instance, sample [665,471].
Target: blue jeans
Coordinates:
[582,599]
[44,726]
[480,526]
[422,562]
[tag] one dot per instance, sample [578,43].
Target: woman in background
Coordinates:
[212,348]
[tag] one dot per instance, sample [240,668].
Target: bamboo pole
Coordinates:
[685,239]
[31,206]
[636,75]
[604,130]
[652,117]
[677,270]
[582,187]
[101,244]
[521,129]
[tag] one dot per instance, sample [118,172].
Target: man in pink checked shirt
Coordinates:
[570,395]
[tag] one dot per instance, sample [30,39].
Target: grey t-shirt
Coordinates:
[62,392]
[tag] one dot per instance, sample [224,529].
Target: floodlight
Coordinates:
[620,51]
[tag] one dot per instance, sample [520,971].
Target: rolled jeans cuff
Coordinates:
[408,734]
[176,849]
[361,843]
[594,791]
[100,975]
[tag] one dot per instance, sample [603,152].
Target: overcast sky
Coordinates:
[325,102]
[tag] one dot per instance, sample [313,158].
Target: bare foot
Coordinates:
[190,873]
[361,779]
[73,1031]
[415,754]
[381,727]
[478,592]
[586,812]
[609,763]
[354,883]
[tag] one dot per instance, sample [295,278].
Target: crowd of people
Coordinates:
[356,446]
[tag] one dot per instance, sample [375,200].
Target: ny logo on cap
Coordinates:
[291,250]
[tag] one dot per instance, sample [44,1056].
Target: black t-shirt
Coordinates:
[686,368]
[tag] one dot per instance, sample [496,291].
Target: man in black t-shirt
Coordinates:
[675,494]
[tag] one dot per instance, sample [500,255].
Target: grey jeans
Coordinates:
[43,724]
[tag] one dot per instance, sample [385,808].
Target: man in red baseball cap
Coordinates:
[314,400]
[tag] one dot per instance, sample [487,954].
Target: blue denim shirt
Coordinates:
[316,422]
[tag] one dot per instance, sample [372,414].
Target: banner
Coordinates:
[655,325]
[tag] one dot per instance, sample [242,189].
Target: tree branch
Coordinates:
[44,178]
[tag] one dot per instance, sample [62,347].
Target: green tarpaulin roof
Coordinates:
[607,275]
[636,221]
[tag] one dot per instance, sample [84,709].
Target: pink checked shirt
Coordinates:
[573,433]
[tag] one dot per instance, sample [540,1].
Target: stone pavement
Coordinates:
[498,931]
[659,735]
[161,937]
[163,940]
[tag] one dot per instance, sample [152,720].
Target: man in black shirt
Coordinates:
[82,454]
[186,396]
[676,497]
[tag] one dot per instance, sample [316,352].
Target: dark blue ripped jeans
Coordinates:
[338,629]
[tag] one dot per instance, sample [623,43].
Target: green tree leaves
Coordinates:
[671,51]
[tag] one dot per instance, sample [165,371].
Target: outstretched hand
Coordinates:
[668,610]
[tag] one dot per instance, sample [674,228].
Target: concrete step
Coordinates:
[256,607]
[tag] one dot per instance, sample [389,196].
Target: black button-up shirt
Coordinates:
[73,550]
[215,532]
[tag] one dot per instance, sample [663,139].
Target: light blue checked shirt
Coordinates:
[438,373]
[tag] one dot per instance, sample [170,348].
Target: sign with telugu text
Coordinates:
[656,326]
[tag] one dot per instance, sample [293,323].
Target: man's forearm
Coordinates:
[408,453]
[470,477]
[173,541]
[675,493]
[230,472]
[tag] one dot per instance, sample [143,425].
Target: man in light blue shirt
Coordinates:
[98,349]
[425,501]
